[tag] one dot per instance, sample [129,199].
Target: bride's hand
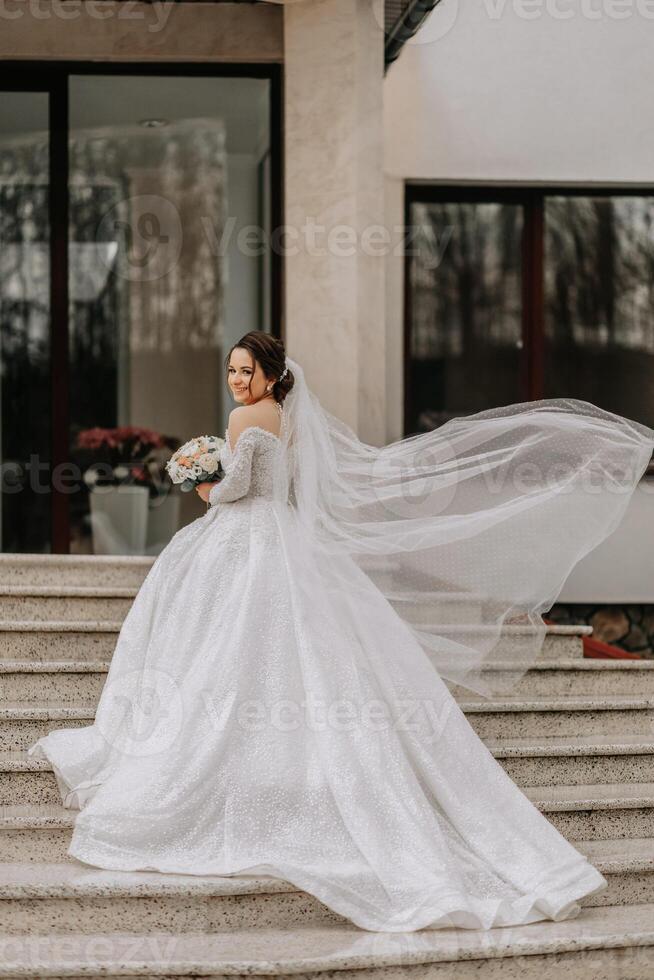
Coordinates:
[204,490]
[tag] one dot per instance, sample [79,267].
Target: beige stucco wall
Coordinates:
[221,32]
[530,91]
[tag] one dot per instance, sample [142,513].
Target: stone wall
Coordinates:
[630,627]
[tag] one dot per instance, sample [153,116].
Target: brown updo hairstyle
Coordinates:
[269,353]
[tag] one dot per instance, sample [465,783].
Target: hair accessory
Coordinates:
[283,374]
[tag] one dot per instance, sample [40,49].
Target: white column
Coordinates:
[334,285]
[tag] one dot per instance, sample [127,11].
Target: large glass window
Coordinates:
[465,331]
[521,294]
[166,242]
[599,302]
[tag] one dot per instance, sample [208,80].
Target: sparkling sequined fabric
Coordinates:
[256,719]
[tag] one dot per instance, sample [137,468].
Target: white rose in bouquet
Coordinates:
[209,462]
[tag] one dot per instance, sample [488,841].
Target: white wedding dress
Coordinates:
[267,711]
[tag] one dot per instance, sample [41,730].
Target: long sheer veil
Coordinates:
[468,531]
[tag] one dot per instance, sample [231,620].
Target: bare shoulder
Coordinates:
[263,415]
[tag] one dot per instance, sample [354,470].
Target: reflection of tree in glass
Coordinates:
[600,271]
[599,302]
[466,309]
[465,277]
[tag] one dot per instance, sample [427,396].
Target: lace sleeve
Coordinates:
[236,481]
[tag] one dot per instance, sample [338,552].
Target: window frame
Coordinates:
[532,200]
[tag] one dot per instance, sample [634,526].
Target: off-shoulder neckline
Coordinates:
[259,428]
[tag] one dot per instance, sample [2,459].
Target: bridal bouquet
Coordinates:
[197,461]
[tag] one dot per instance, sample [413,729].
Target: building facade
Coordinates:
[174,175]
[429,238]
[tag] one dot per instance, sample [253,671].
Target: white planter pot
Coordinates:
[119,520]
[163,522]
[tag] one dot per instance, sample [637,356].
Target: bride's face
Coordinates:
[246,380]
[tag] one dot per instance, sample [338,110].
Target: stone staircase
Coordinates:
[577,735]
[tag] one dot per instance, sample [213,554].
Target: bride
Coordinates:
[277,700]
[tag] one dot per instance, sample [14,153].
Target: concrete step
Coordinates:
[75,680]
[57,640]
[581,810]
[38,681]
[35,833]
[575,676]
[74,897]
[72,602]
[26,780]
[440,610]
[598,944]
[85,639]
[509,717]
[529,762]
[40,834]
[68,896]
[23,723]
[559,642]
[598,811]
[574,760]
[123,571]
[628,866]
[540,715]
[444,607]
[430,610]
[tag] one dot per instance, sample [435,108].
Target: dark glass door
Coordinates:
[25,322]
